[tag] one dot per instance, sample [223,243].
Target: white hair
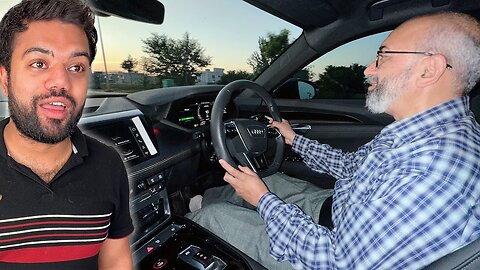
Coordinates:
[457,37]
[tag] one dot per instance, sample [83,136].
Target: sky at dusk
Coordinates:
[228,30]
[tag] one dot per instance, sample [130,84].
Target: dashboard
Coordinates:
[153,150]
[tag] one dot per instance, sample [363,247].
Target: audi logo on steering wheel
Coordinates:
[256,131]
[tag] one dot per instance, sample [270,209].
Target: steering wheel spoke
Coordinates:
[260,162]
[272,133]
[246,140]
[257,163]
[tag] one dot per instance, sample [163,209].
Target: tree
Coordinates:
[129,64]
[233,75]
[270,48]
[306,74]
[179,60]
[342,82]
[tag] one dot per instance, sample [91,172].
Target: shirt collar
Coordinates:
[407,129]
[79,143]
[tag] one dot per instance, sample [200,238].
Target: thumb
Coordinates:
[246,170]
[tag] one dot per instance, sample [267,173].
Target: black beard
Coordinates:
[28,123]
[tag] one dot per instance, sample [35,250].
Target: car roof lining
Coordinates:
[355,19]
[304,14]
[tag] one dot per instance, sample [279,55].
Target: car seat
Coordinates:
[475,101]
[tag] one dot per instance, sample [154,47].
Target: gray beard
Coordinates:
[386,92]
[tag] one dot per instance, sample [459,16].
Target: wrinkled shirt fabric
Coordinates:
[401,201]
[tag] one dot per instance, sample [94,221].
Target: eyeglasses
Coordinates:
[379,54]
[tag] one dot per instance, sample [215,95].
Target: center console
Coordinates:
[160,240]
[184,245]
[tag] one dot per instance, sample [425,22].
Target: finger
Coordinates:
[274,124]
[246,170]
[229,178]
[231,170]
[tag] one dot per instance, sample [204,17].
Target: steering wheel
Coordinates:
[246,140]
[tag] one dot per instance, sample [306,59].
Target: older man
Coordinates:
[402,200]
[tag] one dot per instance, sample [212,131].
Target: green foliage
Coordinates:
[306,74]
[340,82]
[179,60]
[129,64]
[270,48]
[234,75]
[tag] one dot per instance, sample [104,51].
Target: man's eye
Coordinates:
[38,64]
[76,68]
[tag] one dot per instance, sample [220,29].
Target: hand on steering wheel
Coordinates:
[245,139]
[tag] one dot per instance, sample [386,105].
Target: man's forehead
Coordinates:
[49,34]
[400,38]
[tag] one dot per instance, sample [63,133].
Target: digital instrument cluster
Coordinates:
[194,114]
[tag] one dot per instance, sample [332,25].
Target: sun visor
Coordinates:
[149,11]
[305,14]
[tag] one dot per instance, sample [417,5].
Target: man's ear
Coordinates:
[432,68]
[4,80]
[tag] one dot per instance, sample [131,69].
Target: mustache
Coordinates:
[371,79]
[55,93]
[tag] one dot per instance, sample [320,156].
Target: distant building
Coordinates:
[121,78]
[210,77]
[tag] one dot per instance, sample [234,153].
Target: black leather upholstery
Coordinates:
[325,218]
[475,101]
[466,258]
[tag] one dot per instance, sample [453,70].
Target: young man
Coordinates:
[403,200]
[63,196]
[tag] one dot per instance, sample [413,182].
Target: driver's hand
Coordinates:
[285,129]
[246,183]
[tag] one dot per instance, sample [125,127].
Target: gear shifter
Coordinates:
[201,259]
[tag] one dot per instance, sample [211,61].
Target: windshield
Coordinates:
[200,42]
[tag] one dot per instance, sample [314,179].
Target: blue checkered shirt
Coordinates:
[403,200]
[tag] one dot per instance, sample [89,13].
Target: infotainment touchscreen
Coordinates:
[127,135]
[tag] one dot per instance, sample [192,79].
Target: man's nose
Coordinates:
[371,69]
[58,78]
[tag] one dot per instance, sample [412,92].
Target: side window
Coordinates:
[337,74]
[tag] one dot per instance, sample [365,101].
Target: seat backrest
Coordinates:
[466,258]
[475,101]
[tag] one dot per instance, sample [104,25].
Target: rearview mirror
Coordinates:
[149,11]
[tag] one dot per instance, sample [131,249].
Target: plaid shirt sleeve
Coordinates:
[412,199]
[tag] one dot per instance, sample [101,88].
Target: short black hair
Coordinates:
[69,11]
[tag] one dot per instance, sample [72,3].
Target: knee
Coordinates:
[209,212]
